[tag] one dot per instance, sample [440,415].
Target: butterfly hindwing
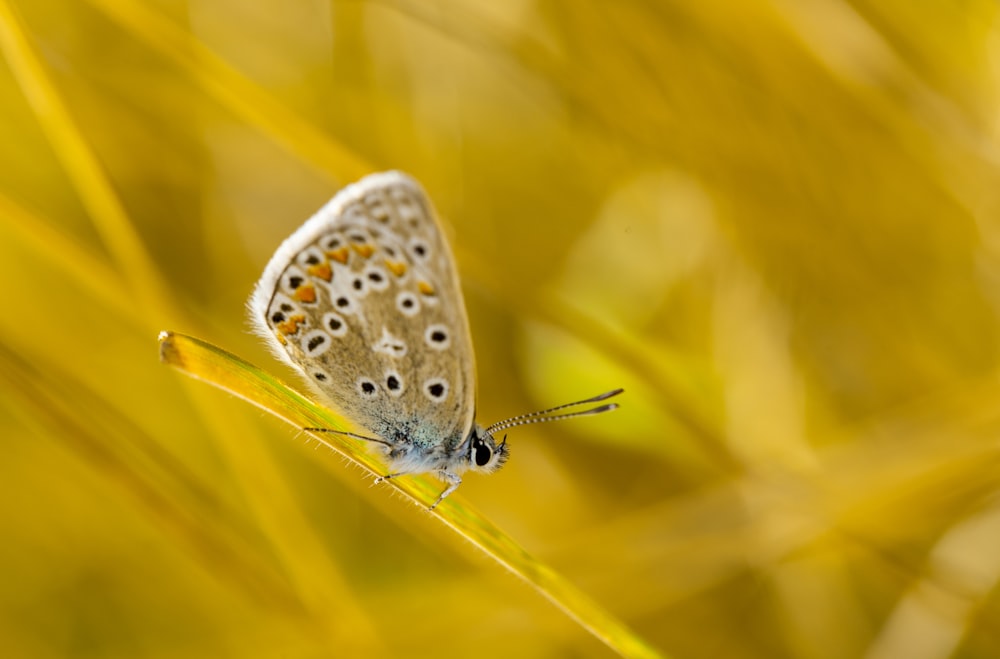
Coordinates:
[364,300]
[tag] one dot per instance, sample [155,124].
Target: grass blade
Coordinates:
[240,378]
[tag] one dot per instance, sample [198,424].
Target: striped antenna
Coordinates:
[544,416]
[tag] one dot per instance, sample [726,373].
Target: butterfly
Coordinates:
[364,301]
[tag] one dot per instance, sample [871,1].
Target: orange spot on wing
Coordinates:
[364,249]
[425,288]
[322,271]
[339,255]
[306,293]
[291,326]
[397,268]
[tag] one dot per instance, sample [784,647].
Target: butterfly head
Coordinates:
[485,454]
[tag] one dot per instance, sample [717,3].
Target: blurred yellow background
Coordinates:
[777,225]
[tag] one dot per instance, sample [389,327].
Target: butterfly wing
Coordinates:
[364,301]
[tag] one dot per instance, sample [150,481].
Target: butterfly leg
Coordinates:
[388,476]
[453,480]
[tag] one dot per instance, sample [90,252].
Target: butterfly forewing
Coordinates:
[364,300]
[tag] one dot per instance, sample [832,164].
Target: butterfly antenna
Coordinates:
[544,416]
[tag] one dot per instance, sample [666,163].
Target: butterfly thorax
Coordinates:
[415,447]
[419,452]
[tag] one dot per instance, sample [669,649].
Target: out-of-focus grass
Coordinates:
[774,224]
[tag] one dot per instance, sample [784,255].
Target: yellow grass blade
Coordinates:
[225,371]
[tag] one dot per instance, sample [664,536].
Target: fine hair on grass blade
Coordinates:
[240,378]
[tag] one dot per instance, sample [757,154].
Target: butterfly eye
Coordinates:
[481,452]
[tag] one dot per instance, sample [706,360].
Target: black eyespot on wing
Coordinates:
[437,337]
[343,302]
[367,388]
[315,343]
[407,304]
[335,323]
[392,382]
[436,389]
[294,282]
[358,284]
[277,317]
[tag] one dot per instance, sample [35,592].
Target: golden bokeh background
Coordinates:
[776,224]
